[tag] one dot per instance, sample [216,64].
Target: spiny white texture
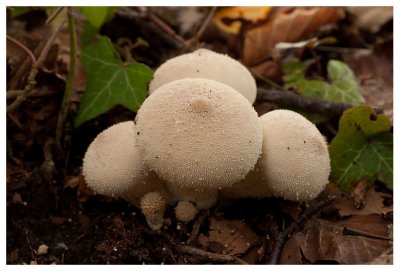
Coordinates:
[112,165]
[185,211]
[153,207]
[295,156]
[151,183]
[209,137]
[204,63]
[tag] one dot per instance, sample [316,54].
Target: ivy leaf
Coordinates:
[363,148]
[97,16]
[110,82]
[342,85]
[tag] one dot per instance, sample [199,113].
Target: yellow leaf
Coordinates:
[228,19]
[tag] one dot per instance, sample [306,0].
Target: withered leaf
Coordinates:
[233,236]
[324,240]
[285,26]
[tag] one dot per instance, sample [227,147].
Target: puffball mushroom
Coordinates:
[295,160]
[204,63]
[294,163]
[208,138]
[153,206]
[112,165]
[185,211]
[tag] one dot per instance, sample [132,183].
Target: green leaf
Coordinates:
[363,148]
[342,85]
[97,16]
[110,82]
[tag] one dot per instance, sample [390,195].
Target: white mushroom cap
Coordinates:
[204,63]
[295,157]
[185,211]
[209,138]
[112,165]
[153,206]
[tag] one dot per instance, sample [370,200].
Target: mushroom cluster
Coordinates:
[197,136]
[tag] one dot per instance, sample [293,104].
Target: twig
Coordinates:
[295,226]
[202,28]
[214,257]
[62,115]
[158,26]
[34,71]
[54,15]
[356,232]
[25,49]
[292,100]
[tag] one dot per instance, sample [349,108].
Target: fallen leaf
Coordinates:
[229,19]
[285,26]
[371,18]
[232,237]
[57,220]
[373,203]
[323,240]
[374,70]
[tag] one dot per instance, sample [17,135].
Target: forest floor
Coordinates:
[53,218]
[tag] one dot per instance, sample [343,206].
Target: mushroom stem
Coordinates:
[153,206]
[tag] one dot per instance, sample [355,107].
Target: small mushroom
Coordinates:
[204,63]
[112,165]
[153,206]
[294,164]
[295,156]
[185,211]
[207,139]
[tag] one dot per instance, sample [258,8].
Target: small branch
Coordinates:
[62,115]
[292,100]
[213,257]
[295,226]
[34,71]
[54,15]
[25,49]
[356,232]
[203,27]
[12,94]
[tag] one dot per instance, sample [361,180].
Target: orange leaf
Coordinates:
[235,14]
[286,26]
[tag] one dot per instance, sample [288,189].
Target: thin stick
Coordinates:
[214,257]
[295,226]
[25,49]
[54,15]
[292,100]
[203,27]
[34,71]
[62,115]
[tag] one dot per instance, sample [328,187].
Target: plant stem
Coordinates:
[62,115]
[34,71]
[25,49]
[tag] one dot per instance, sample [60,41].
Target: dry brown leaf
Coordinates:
[373,203]
[231,237]
[322,240]
[371,18]
[374,69]
[285,26]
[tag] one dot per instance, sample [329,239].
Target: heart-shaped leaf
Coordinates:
[110,82]
[363,148]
